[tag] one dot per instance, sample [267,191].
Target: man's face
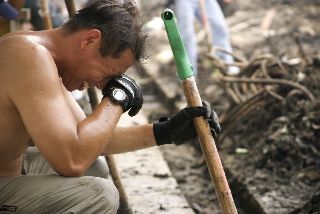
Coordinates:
[98,71]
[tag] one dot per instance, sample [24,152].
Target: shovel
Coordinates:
[184,69]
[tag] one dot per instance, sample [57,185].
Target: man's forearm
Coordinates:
[130,138]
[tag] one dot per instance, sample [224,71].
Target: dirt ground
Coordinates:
[275,145]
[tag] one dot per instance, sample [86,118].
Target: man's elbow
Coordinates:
[71,170]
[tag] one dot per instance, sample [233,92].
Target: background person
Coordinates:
[185,11]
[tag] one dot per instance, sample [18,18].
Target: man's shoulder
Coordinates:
[18,36]
[18,44]
[22,50]
[22,59]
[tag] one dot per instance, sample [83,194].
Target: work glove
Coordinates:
[131,89]
[180,127]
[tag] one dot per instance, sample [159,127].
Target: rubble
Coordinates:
[269,112]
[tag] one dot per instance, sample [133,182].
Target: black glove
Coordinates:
[132,90]
[180,127]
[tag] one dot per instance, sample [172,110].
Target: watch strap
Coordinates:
[124,103]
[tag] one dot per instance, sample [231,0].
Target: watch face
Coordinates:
[119,94]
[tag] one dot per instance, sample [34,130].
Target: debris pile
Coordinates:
[274,106]
[271,109]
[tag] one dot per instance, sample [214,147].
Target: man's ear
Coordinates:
[91,38]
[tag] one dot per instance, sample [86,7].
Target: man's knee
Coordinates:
[104,197]
[99,168]
[106,191]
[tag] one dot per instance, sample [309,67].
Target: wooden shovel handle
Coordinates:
[209,149]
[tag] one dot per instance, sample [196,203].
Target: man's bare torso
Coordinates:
[14,135]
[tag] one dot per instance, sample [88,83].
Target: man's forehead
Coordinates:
[127,59]
[129,55]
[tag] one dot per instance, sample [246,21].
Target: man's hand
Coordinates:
[180,127]
[131,89]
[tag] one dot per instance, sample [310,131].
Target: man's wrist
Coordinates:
[161,133]
[118,96]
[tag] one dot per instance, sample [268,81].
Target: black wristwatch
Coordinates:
[118,96]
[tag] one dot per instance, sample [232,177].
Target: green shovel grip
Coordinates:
[184,68]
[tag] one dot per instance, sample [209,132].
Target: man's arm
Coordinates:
[125,138]
[130,138]
[178,129]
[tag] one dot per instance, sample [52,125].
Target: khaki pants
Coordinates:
[42,190]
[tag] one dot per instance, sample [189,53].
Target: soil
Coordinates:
[272,154]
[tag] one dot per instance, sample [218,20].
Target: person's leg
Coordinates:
[185,13]
[220,32]
[45,194]
[41,190]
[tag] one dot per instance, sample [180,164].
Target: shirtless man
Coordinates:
[37,73]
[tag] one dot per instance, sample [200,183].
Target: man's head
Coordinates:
[120,26]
